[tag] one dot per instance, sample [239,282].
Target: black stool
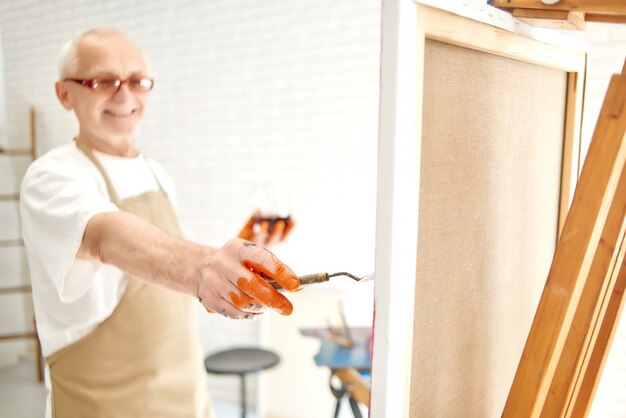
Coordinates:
[241,361]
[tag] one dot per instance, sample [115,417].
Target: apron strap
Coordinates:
[156,178]
[112,193]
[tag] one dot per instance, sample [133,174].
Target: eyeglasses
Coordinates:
[110,85]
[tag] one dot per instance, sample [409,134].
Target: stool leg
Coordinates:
[355,407]
[338,393]
[243,395]
[337,408]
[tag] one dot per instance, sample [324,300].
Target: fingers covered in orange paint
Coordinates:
[265,230]
[233,282]
[280,274]
[245,302]
[288,227]
[260,290]
[247,231]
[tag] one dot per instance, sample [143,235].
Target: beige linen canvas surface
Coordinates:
[492,140]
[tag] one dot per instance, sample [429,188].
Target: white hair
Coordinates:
[68,60]
[68,56]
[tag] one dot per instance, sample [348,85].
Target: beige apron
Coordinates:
[145,360]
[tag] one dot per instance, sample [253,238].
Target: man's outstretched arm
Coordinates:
[228,280]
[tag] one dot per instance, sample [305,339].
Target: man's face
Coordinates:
[108,119]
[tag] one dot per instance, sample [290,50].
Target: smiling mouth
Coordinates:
[120,114]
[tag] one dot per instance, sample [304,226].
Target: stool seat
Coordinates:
[241,361]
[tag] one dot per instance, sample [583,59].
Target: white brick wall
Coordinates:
[247,93]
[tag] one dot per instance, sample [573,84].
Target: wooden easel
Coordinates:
[565,14]
[580,306]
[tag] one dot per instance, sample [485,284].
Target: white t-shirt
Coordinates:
[60,192]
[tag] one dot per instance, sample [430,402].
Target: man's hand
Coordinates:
[234,282]
[266,231]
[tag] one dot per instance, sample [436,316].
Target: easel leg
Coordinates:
[602,346]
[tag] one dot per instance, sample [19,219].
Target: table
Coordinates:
[351,365]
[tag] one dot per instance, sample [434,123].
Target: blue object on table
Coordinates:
[336,356]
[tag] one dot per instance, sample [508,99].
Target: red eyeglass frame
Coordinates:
[92,83]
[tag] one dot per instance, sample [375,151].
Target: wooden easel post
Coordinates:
[601,349]
[566,346]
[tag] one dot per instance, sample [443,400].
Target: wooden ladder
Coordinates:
[21,289]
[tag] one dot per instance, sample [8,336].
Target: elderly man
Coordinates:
[114,284]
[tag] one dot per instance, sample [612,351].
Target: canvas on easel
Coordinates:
[479,152]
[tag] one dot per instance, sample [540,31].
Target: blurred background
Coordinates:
[248,96]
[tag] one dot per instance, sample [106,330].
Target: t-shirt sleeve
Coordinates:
[56,202]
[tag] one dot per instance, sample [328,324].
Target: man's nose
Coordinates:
[122,90]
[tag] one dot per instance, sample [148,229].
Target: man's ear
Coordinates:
[63,95]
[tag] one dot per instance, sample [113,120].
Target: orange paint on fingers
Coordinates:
[247,232]
[260,290]
[283,274]
[276,234]
[265,225]
[243,301]
[290,224]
